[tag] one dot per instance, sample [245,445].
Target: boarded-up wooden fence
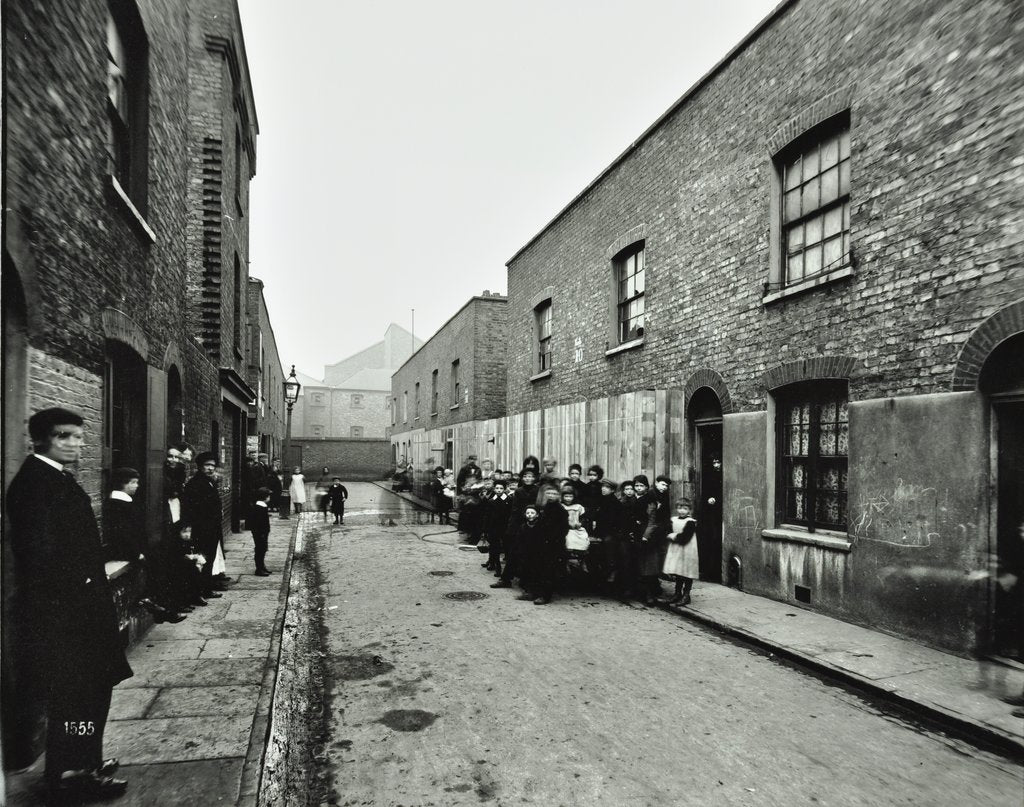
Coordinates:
[627,434]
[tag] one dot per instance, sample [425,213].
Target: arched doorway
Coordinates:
[175,409]
[1002,380]
[704,415]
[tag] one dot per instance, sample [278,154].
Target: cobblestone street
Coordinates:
[443,691]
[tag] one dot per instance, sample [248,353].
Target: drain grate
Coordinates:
[465,595]
[442,574]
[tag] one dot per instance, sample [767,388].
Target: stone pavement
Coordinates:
[190,727]
[963,695]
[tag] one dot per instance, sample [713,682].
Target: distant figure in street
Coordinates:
[276,485]
[682,560]
[322,485]
[297,490]
[65,614]
[260,529]
[334,499]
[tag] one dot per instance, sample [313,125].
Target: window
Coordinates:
[394,411]
[318,431]
[318,399]
[456,386]
[127,55]
[416,401]
[405,406]
[813,443]
[629,275]
[433,392]
[543,312]
[357,401]
[815,178]
[356,431]
[238,172]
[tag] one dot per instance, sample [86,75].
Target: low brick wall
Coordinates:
[353,459]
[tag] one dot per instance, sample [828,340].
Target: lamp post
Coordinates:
[291,395]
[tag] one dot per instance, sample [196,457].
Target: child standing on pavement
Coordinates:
[259,525]
[682,560]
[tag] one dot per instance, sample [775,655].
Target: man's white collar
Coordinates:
[48,461]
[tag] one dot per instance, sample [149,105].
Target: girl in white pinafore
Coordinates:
[682,560]
[297,490]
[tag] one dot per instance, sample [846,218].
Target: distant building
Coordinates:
[456,377]
[387,354]
[353,400]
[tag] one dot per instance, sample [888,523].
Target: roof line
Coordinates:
[493,298]
[718,67]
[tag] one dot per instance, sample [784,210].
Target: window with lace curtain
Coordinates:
[813,448]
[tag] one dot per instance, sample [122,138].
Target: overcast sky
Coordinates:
[408,149]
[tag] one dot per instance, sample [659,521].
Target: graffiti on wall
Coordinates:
[908,515]
[744,515]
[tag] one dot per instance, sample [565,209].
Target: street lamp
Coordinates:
[291,395]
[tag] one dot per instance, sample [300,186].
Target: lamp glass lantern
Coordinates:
[291,389]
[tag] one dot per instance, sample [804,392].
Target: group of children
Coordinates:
[538,526]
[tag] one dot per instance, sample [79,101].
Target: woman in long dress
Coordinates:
[297,490]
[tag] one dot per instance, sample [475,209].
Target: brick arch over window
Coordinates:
[706,377]
[806,369]
[1000,326]
[638,233]
[821,110]
[119,327]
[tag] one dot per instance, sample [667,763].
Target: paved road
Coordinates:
[435,701]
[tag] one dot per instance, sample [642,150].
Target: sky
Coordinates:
[408,149]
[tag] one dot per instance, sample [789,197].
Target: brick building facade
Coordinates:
[457,377]
[116,302]
[265,375]
[817,248]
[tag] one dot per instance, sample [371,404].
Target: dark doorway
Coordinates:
[1002,378]
[704,412]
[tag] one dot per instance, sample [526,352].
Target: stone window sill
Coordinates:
[807,285]
[540,375]
[455,406]
[633,343]
[826,540]
[116,568]
[137,218]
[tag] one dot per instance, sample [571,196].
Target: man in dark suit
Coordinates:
[65,616]
[201,512]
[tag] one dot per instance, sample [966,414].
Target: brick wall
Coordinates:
[267,418]
[476,336]
[934,201]
[350,459]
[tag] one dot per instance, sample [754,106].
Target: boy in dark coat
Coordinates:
[548,552]
[122,523]
[201,511]
[498,508]
[334,500]
[64,614]
[515,566]
[259,526]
